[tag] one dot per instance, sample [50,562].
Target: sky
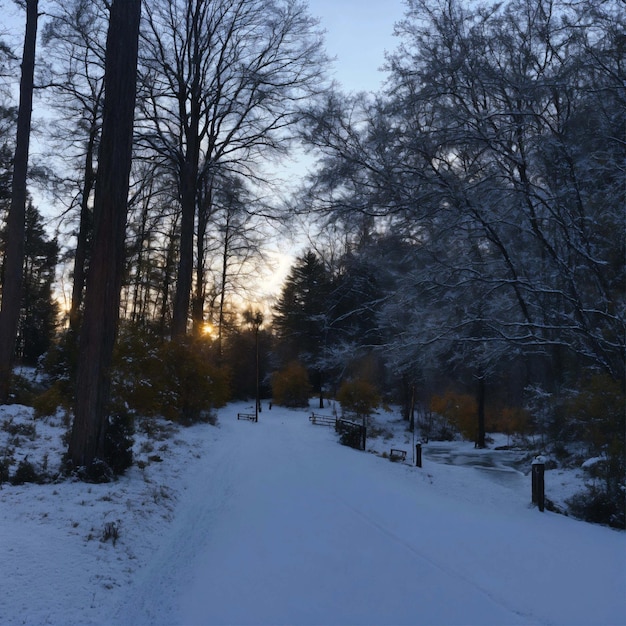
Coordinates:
[357,35]
[358,32]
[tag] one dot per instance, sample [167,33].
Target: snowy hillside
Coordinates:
[275,523]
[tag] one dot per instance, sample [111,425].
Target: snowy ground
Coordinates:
[275,523]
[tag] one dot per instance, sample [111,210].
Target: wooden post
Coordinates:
[418,454]
[538,483]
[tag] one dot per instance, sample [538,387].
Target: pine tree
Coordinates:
[104,281]
[38,311]
[302,316]
[14,254]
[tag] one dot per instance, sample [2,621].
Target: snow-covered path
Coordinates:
[280,525]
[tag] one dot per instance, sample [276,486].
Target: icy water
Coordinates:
[502,466]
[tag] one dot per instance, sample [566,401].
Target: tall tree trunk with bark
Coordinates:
[84,233]
[104,279]
[14,256]
[480,433]
[188,195]
[205,200]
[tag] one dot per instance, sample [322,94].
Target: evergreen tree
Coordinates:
[39,311]
[14,254]
[302,316]
[104,281]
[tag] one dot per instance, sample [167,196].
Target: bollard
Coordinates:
[538,482]
[418,455]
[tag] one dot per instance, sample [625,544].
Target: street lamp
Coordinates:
[255,319]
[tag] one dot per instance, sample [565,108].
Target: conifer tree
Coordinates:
[14,256]
[302,316]
[104,280]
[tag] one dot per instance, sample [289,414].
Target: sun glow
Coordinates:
[209,331]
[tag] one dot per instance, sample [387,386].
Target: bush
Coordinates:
[4,471]
[47,402]
[19,429]
[512,421]
[98,472]
[60,363]
[351,435]
[189,386]
[22,390]
[358,397]
[175,379]
[25,473]
[595,415]
[598,506]
[460,410]
[118,442]
[291,387]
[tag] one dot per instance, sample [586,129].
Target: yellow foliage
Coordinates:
[599,410]
[512,420]
[175,379]
[358,396]
[290,386]
[460,409]
[49,401]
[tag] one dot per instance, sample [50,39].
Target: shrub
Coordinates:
[291,387]
[47,402]
[22,429]
[595,415]
[110,530]
[596,505]
[512,420]
[118,442]
[137,370]
[25,473]
[460,410]
[175,379]
[358,397]
[60,362]
[22,390]
[4,471]
[351,435]
[189,386]
[98,472]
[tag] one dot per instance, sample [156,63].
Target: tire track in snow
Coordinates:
[527,618]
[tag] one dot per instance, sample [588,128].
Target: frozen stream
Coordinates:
[506,467]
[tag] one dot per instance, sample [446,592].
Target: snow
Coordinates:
[589,463]
[276,523]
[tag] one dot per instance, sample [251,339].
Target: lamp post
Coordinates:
[255,319]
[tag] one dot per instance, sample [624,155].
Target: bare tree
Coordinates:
[105,275]
[225,82]
[73,69]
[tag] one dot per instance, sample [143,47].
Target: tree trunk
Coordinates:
[15,229]
[168,270]
[480,439]
[104,278]
[84,232]
[197,309]
[182,295]
[188,195]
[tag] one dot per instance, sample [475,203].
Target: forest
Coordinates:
[459,239]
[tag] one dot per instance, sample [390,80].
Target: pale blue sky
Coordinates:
[358,34]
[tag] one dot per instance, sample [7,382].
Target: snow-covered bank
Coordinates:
[276,523]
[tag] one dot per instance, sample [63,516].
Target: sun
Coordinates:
[208,330]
